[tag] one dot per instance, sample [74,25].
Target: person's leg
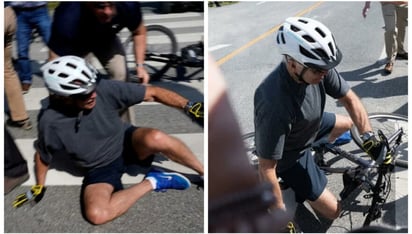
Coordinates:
[342,124]
[309,182]
[327,205]
[401,23]
[12,85]
[333,126]
[104,197]
[113,59]
[389,17]
[41,20]
[103,205]
[148,141]
[23,35]
[15,166]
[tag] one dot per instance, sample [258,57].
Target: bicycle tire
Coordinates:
[161,45]
[249,143]
[388,123]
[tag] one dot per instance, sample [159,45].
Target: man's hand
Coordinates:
[142,74]
[371,145]
[35,194]
[195,111]
[373,148]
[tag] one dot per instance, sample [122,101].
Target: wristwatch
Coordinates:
[367,135]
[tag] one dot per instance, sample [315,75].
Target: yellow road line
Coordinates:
[261,37]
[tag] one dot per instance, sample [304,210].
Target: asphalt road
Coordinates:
[172,211]
[242,40]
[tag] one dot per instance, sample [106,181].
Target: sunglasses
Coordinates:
[316,71]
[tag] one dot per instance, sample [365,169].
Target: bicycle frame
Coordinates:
[363,177]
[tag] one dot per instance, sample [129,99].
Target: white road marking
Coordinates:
[218,47]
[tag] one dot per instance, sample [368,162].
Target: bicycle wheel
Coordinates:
[249,142]
[161,47]
[388,123]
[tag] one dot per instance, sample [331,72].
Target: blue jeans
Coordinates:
[27,20]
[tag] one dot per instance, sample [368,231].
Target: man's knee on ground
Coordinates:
[97,215]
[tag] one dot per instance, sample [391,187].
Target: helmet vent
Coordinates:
[331,48]
[280,39]
[63,75]
[85,74]
[323,34]
[294,28]
[66,87]
[306,53]
[78,82]
[321,53]
[308,38]
[71,65]
[303,21]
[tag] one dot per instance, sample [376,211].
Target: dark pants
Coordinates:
[14,163]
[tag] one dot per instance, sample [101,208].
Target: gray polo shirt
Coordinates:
[287,114]
[91,139]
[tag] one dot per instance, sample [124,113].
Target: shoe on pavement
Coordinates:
[389,68]
[162,181]
[25,88]
[23,124]
[12,182]
[403,56]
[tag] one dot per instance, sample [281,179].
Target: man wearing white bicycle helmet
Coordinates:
[289,113]
[81,126]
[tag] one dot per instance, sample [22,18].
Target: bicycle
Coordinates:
[392,132]
[161,52]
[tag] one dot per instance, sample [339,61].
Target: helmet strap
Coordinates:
[300,76]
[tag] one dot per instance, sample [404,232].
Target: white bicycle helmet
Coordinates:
[309,42]
[69,75]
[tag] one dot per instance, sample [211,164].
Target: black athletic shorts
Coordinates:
[113,172]
[305,178]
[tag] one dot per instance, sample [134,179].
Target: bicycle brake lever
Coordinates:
[383,140]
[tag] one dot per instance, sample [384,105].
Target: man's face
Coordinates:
[85,102]
[104,11]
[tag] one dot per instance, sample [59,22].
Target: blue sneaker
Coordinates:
[167,180]
[343,139]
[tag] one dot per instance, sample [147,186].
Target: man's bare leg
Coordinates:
[148,141]
[327,205]
[102,205]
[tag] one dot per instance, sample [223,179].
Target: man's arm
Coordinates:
[139,42]
[267,172]
[36,193]
[165,97]
[41,169]
[356,111]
